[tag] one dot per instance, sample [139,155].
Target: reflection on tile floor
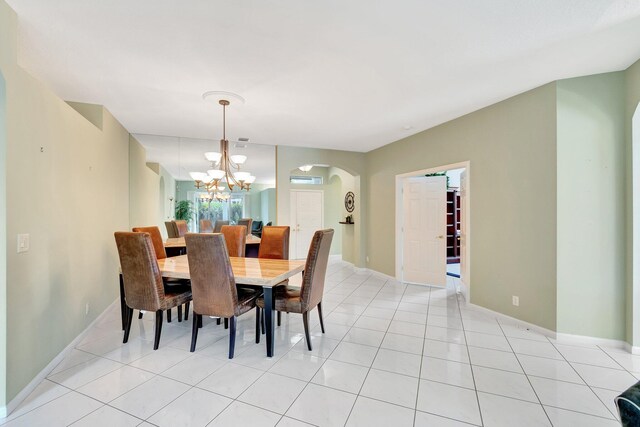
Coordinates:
[392,355]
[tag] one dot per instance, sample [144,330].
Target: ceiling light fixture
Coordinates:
[305,168]
[223,165]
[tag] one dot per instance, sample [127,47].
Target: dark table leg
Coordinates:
[268,317]
[123,306]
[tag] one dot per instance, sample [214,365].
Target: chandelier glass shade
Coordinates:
[224,167]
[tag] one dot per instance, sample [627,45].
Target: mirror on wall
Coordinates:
[177,157]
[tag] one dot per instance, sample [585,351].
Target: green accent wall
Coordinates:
[591,206]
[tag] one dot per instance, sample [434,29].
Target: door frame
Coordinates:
[465,278]
[312,190]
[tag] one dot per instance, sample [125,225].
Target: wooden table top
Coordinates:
[178,242]
[248,271]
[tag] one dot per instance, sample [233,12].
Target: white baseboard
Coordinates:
[25,392]
[535,328]
[336,257]
[584,339]
[633,349]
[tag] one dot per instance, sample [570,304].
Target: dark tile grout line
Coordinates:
[424,343]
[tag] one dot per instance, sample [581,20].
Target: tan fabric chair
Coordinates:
[236,238]
[305,299]
[143,286]
[206,226]
[172,230]
[182,226]
[219,224]
[214,287]
[247,222]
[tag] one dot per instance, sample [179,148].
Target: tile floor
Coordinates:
[392,355]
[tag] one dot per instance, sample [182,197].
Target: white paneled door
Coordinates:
[424,251]
[307,207]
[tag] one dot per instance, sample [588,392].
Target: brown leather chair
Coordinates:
[236,238]
[214,287]
[172,230]
[143,286]
[247,222]
[274,244]
[303,300]
[182,226]
[158,246]
[218,225]
[206,226]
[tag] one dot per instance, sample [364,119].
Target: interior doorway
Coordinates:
[307,208]
[432,229]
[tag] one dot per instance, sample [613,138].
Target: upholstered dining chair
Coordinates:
[247,222]
[214,286]
[274,244]
[182,226]
[143,285]
[206,226]
[218,225]
[172,230]
[161,253]
[236,238]
[309,295]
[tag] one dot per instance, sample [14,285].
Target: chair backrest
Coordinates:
[269,224]
[315,269]
[236,238]
[219,224]
[256,226]
[156,239]
[143,288]
[206,226]
[182,226]
[274,243]
[247,223]
[212,283]
[172,230]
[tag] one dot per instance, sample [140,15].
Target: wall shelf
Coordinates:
[344,222]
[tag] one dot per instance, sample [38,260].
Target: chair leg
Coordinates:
[305,320]
[218,321]
[186,310]
[194,332]
[140,315]
[200,321]
[258,325]
[179,313]
[279,317]
[169,316]
[156,341]
[127,327]
[262,321]
[320,315]
[232,336]
[226,323]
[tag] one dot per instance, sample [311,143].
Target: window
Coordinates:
[313,180]
[229,210]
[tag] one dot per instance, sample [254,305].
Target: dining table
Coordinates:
[259,272]
[177,245]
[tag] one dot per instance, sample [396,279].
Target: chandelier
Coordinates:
[224,167]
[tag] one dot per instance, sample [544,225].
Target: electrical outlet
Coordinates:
[86,309]
[367,259]
[515,300]
[23,243]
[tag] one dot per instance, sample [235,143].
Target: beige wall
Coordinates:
[511,147]
[70,196]
[3,243]
[347,231]
[591,217]
[144,188]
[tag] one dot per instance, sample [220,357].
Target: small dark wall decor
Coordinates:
[349,202]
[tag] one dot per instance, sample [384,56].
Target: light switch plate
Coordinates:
[23,243]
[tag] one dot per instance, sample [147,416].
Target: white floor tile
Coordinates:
[446,350]
[389,387]
[107,417]
[548,368]
[193,369]
[160,360]
[535,348]
[504,383]
[407,328]
[607,397]
[480,339]
[322,346]
[498,411]
[230,380]
[58,412]
[240,414]
[373,413]
[445,334]
[397,362]
[195,408]
[381,313]
[84,373]
[611,379]
[45,392]
[273,392]
[403,343]
[429,420]
[116,383]
[411,317]
[137,402]
[341,376]
[449,401]
[301,366]
[322,406]
[444,322]
[497,359]
[563,418]
[74,358]
[364,336]
[290,422]
[570,396]
[446,371]
[588,356]
[373,323]
[354,353]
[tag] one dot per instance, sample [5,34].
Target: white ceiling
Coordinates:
[335,74]
[183,155]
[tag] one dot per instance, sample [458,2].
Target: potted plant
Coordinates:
[184,210]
